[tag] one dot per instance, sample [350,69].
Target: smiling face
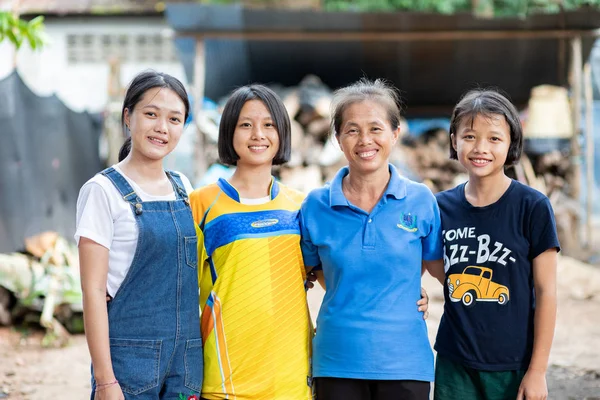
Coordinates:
[482,146]
[366,137]
[156,123]
[255,139]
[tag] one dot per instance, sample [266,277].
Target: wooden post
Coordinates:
[589,152]
[199,72]
[562,56]
[199,83]
[576,84]
[562,50]
[114,131]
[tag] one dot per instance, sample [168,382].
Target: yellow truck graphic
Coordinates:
[475,284]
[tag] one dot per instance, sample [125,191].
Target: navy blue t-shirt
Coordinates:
[488,256]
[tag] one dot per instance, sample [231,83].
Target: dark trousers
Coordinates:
[362,389]
[454,380]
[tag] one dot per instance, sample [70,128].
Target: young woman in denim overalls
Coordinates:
[138,246]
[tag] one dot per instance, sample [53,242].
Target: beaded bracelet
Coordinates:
[102,386]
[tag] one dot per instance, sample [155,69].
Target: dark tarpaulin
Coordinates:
[48,151]
[431,74]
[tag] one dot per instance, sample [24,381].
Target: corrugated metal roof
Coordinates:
[205,18]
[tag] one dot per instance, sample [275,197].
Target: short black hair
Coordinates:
[143,82]
[231,114]
[486,102]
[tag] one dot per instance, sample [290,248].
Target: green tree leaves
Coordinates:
[499,8]
[489,8]
[18,31]
[442,6]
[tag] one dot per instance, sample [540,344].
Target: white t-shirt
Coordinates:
[255,202]
[104,217]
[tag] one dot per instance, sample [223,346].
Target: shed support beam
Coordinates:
[576,86]
[391,36]
[199,84]
[589,153]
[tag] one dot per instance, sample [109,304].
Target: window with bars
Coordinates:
[98,48]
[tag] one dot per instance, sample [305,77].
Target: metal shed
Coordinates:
[432,58]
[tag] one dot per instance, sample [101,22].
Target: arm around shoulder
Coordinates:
[433,245]
[310,252]
[435,269]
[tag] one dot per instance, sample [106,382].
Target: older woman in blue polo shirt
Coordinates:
[372,231]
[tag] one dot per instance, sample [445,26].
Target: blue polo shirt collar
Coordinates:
[396,187]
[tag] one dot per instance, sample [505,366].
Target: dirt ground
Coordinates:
[28,371]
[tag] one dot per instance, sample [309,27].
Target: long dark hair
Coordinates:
[143,82]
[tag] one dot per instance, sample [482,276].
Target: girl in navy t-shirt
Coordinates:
[499,276]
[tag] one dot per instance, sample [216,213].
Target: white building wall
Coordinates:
[84,85]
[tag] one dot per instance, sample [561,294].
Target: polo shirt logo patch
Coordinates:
[264,223]
[408,222]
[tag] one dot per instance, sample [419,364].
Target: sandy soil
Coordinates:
[28,371]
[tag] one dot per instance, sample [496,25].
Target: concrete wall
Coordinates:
[84,85]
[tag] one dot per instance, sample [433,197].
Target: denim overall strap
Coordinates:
[154,325]
[129,195]
[177,185]
[122,185]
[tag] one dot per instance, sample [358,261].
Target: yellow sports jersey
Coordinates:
[255,322]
